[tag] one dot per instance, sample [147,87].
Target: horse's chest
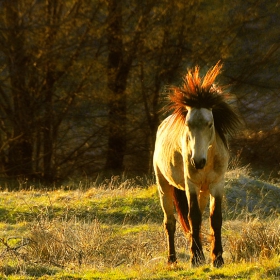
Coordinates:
[203,179]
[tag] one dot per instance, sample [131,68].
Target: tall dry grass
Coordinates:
[67,244]
[253,241]
[72,241]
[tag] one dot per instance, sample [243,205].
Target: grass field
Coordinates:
[113,230]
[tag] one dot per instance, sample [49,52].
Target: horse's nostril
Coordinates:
[203,162]
[198,164]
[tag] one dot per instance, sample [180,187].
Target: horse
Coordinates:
[190,160]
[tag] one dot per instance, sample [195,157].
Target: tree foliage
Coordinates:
[82,82]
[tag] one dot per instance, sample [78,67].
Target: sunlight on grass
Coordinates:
[111,232]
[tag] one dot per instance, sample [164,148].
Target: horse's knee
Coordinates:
[170,225]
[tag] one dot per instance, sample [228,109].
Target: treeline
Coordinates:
[82,81]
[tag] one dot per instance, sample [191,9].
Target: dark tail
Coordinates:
[182,208]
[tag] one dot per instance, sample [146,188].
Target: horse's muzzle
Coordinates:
[198,164]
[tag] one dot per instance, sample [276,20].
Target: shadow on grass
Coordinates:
[118,211]
[275,273]
[30,270]
[128,211]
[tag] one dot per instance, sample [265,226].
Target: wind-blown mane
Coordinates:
[200,92]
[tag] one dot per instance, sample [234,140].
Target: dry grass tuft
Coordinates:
[60,243]
[253,241]
[92,244]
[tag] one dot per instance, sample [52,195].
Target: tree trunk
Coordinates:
[48,175]
[117,76]
[47,129]
[19,160]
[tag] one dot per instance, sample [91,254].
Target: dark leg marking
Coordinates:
[216,225]
[170,228]
[195,217]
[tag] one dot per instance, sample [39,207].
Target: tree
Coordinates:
[42,50]
[121,55]
[16,104]
[82,82]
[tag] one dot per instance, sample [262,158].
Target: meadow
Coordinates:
[112,229]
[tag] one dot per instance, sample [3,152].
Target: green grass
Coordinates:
[264,270]
[113,230]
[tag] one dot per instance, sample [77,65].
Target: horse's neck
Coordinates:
[213,149]
[218,149]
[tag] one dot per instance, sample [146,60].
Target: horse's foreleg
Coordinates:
[195,216]
[216,226]
[169,225]
[169,221]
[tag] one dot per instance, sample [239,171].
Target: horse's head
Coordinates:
[201,133]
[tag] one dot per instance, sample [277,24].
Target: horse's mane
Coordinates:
[200,92]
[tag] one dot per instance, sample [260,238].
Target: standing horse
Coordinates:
[191,158]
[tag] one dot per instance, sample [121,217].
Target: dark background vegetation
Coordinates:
[82,81]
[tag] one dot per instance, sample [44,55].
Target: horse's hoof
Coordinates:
[198,261]
[218,262]
[172,260]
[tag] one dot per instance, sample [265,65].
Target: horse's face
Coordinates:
[200,134]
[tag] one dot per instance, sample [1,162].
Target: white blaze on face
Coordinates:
[200,133]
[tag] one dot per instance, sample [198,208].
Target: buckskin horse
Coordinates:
[190,160]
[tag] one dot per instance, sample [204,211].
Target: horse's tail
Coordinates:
[182,208]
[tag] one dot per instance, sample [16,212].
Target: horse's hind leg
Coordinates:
[166,199]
